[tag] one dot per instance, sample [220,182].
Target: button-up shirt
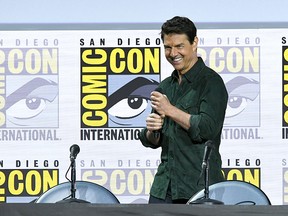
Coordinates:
[202,94]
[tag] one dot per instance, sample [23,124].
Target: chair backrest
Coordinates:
[234,193]
[86,191]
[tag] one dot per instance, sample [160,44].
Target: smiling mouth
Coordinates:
[176,60]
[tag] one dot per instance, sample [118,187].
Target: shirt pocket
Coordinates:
[189,107]
[189,103]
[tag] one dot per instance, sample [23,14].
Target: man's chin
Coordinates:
[177,67]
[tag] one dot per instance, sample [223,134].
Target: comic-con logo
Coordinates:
[138,181]
[284,181]
[239,66]
[17,185]
[284,90]
[115,90]
[28,93]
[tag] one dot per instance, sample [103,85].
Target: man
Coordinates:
[189,110]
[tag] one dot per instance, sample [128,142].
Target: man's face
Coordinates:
[179,52]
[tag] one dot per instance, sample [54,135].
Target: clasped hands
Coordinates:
[159,104]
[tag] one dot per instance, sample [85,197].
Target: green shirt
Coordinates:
[202,94]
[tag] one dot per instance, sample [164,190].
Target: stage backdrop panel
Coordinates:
[92,87]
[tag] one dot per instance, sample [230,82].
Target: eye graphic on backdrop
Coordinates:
[129,107]
[130,104]
[29,103]
[242,92]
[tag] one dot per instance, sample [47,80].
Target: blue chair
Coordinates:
[234,193]
[85,191]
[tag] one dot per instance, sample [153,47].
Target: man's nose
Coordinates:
[173,52]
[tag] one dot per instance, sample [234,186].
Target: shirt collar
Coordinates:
[193,72]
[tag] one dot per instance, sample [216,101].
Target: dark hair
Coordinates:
[179,25]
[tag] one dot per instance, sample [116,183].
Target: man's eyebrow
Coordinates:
[177,45]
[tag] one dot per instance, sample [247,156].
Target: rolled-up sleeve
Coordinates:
[209,121]
[194,131]
[145,142]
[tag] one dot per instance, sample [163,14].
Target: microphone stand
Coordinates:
[206,200]
[73,178]
[73,198]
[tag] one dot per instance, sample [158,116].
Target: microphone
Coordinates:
[208,149]
[156,133]
[74,150]
[206,200]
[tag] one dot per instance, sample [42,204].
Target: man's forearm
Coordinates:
[180,117]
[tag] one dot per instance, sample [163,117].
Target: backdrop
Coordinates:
[92,87]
